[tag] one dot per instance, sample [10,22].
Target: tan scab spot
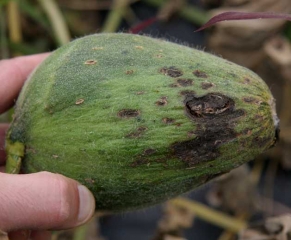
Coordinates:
[139,47]
[79,101]
[200,74]
[162,101]
[159,56]
[206,85]
[140,93]
[90,62]
[128,113]
[129,72]
[97,48]
[55,156]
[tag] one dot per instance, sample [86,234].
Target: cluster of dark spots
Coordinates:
[214,114]
[137,133]
[187,92]
[159,55]
[129,72]
[200,74]
[125,52]
[185,82]
[168,120]
[128,113]
[171,71]
[162,101]
[206,85]
[90,62]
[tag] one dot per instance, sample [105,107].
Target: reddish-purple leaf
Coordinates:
[226,16]
[139,27]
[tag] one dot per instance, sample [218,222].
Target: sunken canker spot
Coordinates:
[171,71]
[128,113]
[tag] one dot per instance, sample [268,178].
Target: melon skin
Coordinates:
[138,120]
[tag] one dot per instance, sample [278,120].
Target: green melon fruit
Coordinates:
[138,120]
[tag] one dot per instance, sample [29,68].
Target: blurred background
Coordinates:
[252,202]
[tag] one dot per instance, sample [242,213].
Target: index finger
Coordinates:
[13,73]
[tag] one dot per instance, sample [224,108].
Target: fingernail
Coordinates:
[86,206]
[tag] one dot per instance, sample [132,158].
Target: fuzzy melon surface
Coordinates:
[138,120]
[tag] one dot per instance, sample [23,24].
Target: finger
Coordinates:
[13,73]
[19,235]
[3,129]
[40,235]
[43,201]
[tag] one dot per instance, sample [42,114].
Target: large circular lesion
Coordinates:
[208,106]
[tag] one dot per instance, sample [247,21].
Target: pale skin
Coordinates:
[31,205]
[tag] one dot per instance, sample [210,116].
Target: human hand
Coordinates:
[39,201]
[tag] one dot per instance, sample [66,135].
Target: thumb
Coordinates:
[43,201]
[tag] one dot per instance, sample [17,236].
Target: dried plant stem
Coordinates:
[189,12]
[58,23]
[3,37]
[115,16]
[285,118]
[80,233]
[257,169]
[215,217]
[255,176]
[14,24]
[269,186]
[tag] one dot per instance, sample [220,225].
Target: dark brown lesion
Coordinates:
[214,114]
[200,74]
[171,71]
[184,82]
[208,106]
[128,113]
[162,101]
